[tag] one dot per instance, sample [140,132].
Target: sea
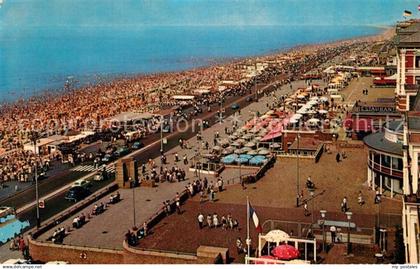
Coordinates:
[46,58]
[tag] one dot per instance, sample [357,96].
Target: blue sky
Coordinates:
[28,13]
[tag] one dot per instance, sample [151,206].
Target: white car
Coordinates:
[81,183]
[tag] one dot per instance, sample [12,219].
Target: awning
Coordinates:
[271,136]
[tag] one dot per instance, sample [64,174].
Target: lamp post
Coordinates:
[297,172]
[134,207]
[34,138]
[161,135]
[323,213]
[221,107]
[348,214]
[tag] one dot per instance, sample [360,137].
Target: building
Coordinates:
[385,158]
[407,42]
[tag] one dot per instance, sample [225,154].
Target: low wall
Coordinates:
[41,251]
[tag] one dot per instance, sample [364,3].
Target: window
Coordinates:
[386,160]
[397,163]
[417,59]
[376,158]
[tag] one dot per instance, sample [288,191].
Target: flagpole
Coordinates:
[248,242]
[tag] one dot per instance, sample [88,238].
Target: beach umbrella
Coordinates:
[250,144]
[323,99]
[285,252]
[246,149]
[257,139]
[227,151]
[263,152]
[239,151]
[247,136]
[224,142]
[240,140]
[254,131]
[217,148]
[236,144]
[229,159]
[322,111]
[252,152]
[246,156]
[241,160]
[257,160]
[232,137]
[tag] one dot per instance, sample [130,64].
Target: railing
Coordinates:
[386,170]
[411,87]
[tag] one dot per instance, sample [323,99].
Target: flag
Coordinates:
[254,217]
[407,13]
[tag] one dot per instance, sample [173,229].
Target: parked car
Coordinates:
[121,151]
[106,158]
[137,145]
[98,177]
[77,193]
[235,106]
[81,183]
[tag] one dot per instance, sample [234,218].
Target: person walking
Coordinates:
[360,199]
[305,208]
[200,219]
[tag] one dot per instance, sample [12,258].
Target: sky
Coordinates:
[132,13]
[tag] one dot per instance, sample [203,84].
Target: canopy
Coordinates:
[271,136]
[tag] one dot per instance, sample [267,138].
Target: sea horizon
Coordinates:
[95,54]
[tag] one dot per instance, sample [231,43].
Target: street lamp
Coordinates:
[323,213]
[297,172]
[348,214]
[34,136]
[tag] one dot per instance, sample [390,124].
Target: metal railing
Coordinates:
[386,170]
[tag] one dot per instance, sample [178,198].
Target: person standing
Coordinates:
[200,219]
[333,232]
[360,199]
[305,208]
[178,207]
[220,184]
[209,221]
[344,207]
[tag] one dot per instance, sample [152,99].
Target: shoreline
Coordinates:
[211,62]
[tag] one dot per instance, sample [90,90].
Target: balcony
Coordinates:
[392,172]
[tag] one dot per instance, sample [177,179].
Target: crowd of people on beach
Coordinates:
[88,107]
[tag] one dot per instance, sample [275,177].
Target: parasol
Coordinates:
[285,252]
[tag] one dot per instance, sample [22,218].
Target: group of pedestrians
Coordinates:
[214,221]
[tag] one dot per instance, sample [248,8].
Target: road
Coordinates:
[52,190]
